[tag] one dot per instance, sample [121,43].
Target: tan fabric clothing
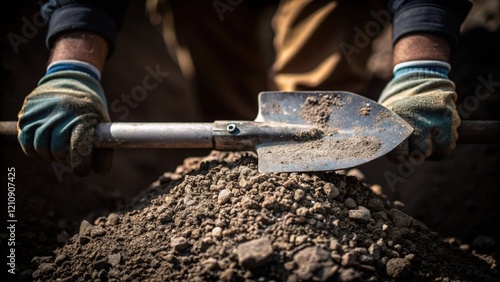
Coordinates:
[309,37]
[229,57]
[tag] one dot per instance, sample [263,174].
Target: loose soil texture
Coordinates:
[225,221]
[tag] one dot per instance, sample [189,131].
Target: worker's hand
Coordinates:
[56,122]
[421,93]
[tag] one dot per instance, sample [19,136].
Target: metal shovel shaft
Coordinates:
[155,135]
[219,135]
[200,135]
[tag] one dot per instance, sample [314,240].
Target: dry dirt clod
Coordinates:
[398,268]
[314,263]
[97,231]
[350,203]
[85,228]
[255,253]
[115,259]
[361,213]
[179,244]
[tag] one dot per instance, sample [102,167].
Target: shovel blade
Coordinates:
[354,130]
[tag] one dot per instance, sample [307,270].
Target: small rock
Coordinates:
[248,203]
[224,196]
[375,250]
[243,183]
[365,259]
[398,268]
[169,176]
[350,203]
[85,228]
[302,211]
[298,195]
[301,239]
[335,245]
[361,213]
[217,232]
[331,190]
[189,201]
[401,219]
[255,253]
[376,204]
[464,247]
[376,189]
[206,243]
[97,231]
[318,208]
[115,259]
[356,173]
[113,219]
[179,243]
[349,259]
[270,203]
[313,261]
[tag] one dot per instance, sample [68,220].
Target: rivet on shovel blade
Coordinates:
[231,128]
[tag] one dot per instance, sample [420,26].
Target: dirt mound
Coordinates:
[226,221]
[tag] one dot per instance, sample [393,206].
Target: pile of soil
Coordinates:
[225,221]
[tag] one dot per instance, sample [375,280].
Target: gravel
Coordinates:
[222,220]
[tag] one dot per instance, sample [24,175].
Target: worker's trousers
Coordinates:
[229,51]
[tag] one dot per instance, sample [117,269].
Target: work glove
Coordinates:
[421,93]
[57,119]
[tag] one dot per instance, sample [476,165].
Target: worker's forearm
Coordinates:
[421,47]
[82,46]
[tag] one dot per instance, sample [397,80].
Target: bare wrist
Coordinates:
[83,46]
[421,47]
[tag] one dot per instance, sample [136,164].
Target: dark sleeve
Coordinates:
[442,17]
[103,17]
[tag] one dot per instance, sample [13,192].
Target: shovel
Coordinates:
[293,132]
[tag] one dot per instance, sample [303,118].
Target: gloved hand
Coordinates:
[57,119]
[421,93]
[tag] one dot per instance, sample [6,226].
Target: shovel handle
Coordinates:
[150,135]
[479,132]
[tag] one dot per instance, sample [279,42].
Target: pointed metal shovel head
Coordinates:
[348,130]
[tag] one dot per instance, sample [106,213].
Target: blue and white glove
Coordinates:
[421,93]
[57,119]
